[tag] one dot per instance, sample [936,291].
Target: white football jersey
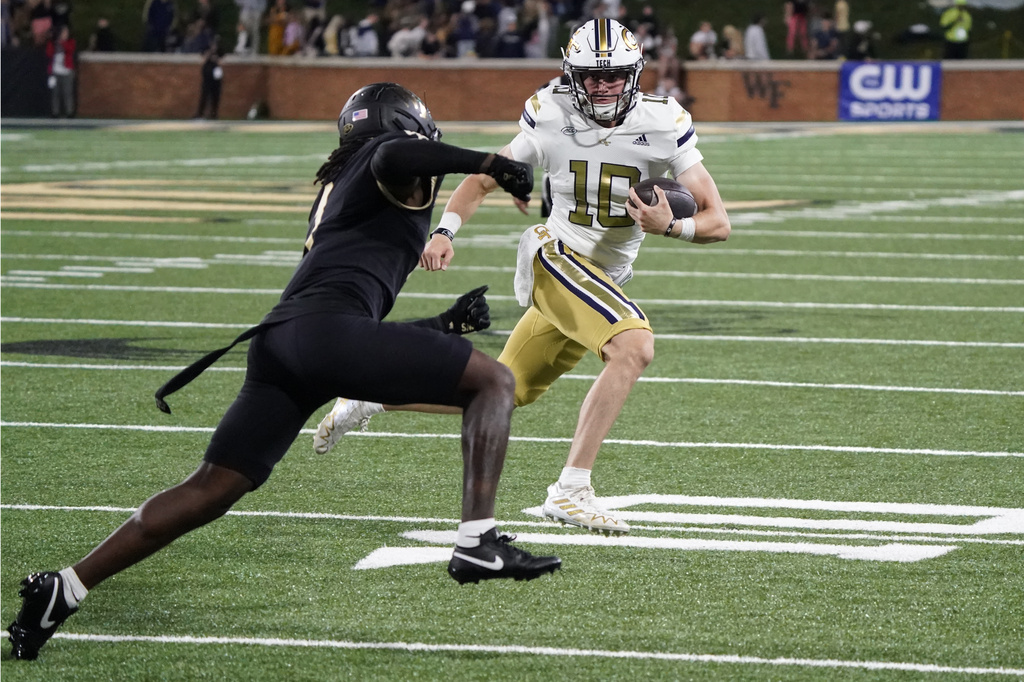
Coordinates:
[592,168]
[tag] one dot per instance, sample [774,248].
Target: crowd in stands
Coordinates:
[432,29]
[814,30]
[402,29]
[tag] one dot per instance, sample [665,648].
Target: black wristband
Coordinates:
[446,232]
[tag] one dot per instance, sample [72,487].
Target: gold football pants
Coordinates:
[576,308]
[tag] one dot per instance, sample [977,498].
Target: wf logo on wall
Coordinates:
[890,91]
[764,86]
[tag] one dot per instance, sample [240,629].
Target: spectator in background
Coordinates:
[536,22]
[60,60]
[540,24]
[488,9]
[861,45]
[60,14]
[212,77]
[648,42]
[364,39]
[510,44]
[702,42]
[314,9]
[242,41]
[755,42]
[208,13]
[407,40]
[335,36]
[313,44]
[956,24]
[41,20]
[102,39]
[508,13]
[825,43]
[486,38]
[250,14]
[464,28]
[159,17]
[198,38]
[795,13]
[432,46]
[732,46]
[294,34]
[669,64]
[841,13]
[277,21]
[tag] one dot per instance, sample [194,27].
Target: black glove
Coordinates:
[469,314]
[515,177]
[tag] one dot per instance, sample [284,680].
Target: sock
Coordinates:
[574,478]
[74,590]
[372,408]
[469,532]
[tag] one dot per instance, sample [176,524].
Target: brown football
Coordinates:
[679,198]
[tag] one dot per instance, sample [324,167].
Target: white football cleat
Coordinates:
[578,507]
[343,417]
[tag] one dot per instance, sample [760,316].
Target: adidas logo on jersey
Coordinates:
[642,141]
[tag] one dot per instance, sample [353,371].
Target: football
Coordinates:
[679,198]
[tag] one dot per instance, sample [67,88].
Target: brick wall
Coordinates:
[167,87]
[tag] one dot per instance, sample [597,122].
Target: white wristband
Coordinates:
[687,228]
[450,221]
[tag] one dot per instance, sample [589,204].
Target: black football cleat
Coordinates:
[496,557]
[43,609]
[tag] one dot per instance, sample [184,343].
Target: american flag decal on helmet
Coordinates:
[359,114]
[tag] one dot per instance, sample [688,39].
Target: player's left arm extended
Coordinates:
[470,313]
[711,220]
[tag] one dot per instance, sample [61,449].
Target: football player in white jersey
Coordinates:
[595,137]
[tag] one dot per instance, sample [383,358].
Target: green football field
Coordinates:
[823,466]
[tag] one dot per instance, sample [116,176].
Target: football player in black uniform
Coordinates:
[366,232]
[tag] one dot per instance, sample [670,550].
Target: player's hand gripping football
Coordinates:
[651,219]
[515,177]
[469,314]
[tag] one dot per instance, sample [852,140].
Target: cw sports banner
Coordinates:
[890,91]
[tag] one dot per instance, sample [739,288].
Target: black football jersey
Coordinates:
[362,244]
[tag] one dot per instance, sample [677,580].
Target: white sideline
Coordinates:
[536,439]
[577,377]
[421,647]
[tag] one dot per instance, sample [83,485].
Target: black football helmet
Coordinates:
[385,107]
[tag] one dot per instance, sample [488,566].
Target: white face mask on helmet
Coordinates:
[603,46]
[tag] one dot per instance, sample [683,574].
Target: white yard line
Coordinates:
[290,259]
[711,445]
[501,332]
[690,303]
[578,377]
[511,240]
[516,523]
[944,236]
[94,166]
[514,650]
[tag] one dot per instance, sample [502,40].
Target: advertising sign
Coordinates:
[890,91]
